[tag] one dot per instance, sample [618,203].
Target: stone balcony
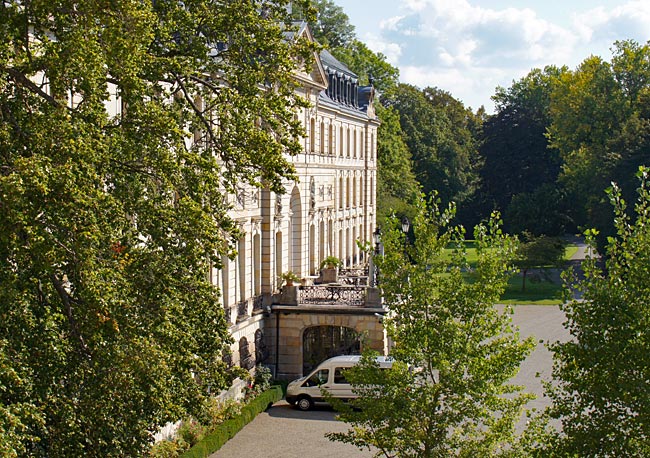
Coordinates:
[350,290]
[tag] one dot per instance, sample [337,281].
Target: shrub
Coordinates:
[167,449]
[216,411]
[191,431]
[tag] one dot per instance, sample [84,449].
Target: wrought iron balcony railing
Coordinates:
[334,294]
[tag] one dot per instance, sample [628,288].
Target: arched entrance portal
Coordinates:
[322,342]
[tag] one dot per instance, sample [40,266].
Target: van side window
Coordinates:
[318,378]
[339,375]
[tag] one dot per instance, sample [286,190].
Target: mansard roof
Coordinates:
[343,88]
[332,64]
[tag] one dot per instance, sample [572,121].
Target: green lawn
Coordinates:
[541,292]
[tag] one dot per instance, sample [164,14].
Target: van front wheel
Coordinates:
[305,403]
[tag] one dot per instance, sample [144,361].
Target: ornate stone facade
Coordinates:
[325,212]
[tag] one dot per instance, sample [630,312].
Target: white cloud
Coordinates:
[392,51]
[630,20]
[468,49]
[463,85]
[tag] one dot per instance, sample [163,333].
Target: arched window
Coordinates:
[363,134]
[261,351]
[226,357]
[241,260]
[245,359]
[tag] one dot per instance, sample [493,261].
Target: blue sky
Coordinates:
[469,47]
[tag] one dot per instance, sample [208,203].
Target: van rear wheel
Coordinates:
[305,403]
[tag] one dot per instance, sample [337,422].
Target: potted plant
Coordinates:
[329,269]
[331,262]
[289,277]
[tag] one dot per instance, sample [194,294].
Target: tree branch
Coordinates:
[196,110]
[25,82]
[67,308]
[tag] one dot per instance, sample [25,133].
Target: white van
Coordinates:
[329,375]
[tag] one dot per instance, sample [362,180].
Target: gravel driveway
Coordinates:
[284,432]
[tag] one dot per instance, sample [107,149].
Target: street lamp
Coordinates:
[376,237]
[374,273]
[406,224]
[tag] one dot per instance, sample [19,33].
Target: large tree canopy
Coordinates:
[601,395]
[331,26]
[109,224]
[600,126]
[371,67]
[517,160]
[438,132]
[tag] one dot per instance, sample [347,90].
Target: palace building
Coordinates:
[329,211]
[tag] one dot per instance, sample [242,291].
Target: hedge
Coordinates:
[225,431]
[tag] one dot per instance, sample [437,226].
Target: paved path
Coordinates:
[284,432]
[544,322]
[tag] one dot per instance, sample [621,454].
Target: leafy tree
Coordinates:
[444,157]
[109,224]
[331,26]
[370,66]
[397,188]
[514,148]
[599,125]
[540,212]
[602,396]
[537,252]
[448,393]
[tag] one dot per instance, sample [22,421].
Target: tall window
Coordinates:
[361,191]
[322,137]
[312,135]
[330,140]
[341,141]
[242,268]
[363,135]
[347,191]
[347,141]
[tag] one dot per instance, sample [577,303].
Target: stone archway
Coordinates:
[322,342]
